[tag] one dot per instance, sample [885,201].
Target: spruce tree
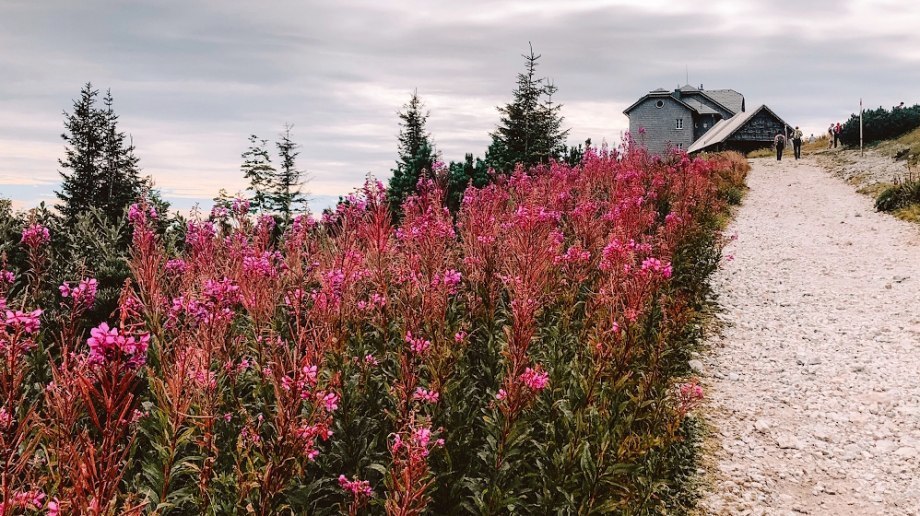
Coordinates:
[530,131]
[416,152]
[103,171]
[257,168]
[284,194]
[120,181]
[82,154]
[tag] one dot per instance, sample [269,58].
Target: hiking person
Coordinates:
[797,142]
[779,143]
[837,130]
[830,136]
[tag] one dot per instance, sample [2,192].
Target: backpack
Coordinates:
[780,140]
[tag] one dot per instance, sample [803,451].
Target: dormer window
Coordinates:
[679,124]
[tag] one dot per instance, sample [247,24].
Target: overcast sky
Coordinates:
[192,79]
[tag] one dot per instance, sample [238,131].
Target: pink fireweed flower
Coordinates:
[138,215]
[35,236]
[176,266]
[370,360]
[83,295]
[418,345]
[460,337]
[689,395]
[307,435]
[357,488]
[54,508]
[219,212]
[449,279]
[535,379]
[657,266]
[331,402]
[417,445]
[6,419]
[430,397]
[7,277]
[28,322]
[502,394]
[295,297]
[240,206]
[106,344]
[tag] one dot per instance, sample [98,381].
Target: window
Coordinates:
[705,125]
[680,146]
[680,124]
[659,104]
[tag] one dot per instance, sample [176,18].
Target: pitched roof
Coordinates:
[660,93]
[699,107]
[731,99]
[724,129]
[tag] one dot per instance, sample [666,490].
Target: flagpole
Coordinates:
[860,127]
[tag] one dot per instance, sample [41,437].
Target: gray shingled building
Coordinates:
[694,119]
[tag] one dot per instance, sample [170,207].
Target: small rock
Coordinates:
[906,452]
[762,425]
[696,366]
[788,442]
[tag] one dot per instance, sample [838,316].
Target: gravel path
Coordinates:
[814,383]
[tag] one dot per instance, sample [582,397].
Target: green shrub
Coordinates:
[899,196]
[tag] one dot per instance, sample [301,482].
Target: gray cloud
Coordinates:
[193,79]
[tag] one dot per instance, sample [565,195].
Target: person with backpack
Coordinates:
[830,136]
[837,130]
[797,142]
[779,143]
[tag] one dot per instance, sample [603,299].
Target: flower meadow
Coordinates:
[524,354]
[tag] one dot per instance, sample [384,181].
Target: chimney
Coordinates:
[701,86]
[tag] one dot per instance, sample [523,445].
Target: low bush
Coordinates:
[902,194]
[527,356]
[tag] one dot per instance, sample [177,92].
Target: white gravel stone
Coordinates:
[825,409]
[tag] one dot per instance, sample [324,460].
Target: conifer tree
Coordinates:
[103,171]
[416,152]
[530,131]
[120,181]
[257,168]
[284,194]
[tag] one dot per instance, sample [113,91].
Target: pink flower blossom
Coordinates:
[535,379]
[331,402]
[108,343]
[35,236]
[240,206]
[460,337]
[502,394]
[657,266]
[370,360]
[27,322]
[83,295]
[356,487]
[418,345]
[430,397]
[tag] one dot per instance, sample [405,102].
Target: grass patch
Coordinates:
[910,213]
[766,152]
[909,142]
[873,189]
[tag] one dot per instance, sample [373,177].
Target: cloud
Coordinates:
[192,80]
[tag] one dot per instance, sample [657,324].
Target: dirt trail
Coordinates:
[814,383]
